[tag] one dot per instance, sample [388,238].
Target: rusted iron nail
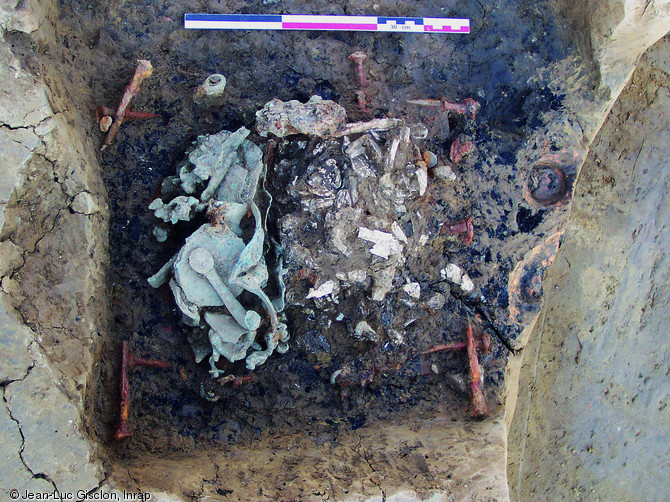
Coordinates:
[359,57]
[467,107]
[482,345]
[122,431]
[479,408]
[459,150]
[464,230]
[242,380]
[140,361]
[129,361]
[236,381]
[105,111]
[268,164]
[362,100]
[143,70]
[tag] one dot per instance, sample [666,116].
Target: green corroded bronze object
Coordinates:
[219,261]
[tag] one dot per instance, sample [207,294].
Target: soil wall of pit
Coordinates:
[593,389]
[53,261]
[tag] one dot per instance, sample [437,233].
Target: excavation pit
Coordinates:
[352,410]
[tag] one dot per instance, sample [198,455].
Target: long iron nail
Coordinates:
[479,408]
[143,70]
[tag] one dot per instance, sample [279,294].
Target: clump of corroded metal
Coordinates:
[219,278]
[210,92]
[459,150]
[463,230]
[547,184]
[317,117]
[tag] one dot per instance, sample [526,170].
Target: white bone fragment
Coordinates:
[383,283]
[422,177]
[436,302]
[456,275]
[324,289]
[392,152]
[397,231]
[365,332]
[353,276]
[375,124]
[385,244]
[466,284]
[397,337]
[413,289]
[444,173]
[333,377]
[452,273]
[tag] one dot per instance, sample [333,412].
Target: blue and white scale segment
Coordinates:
[332,23]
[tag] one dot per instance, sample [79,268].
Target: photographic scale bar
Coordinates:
[332,23]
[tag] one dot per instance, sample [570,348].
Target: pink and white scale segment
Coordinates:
[318,22]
